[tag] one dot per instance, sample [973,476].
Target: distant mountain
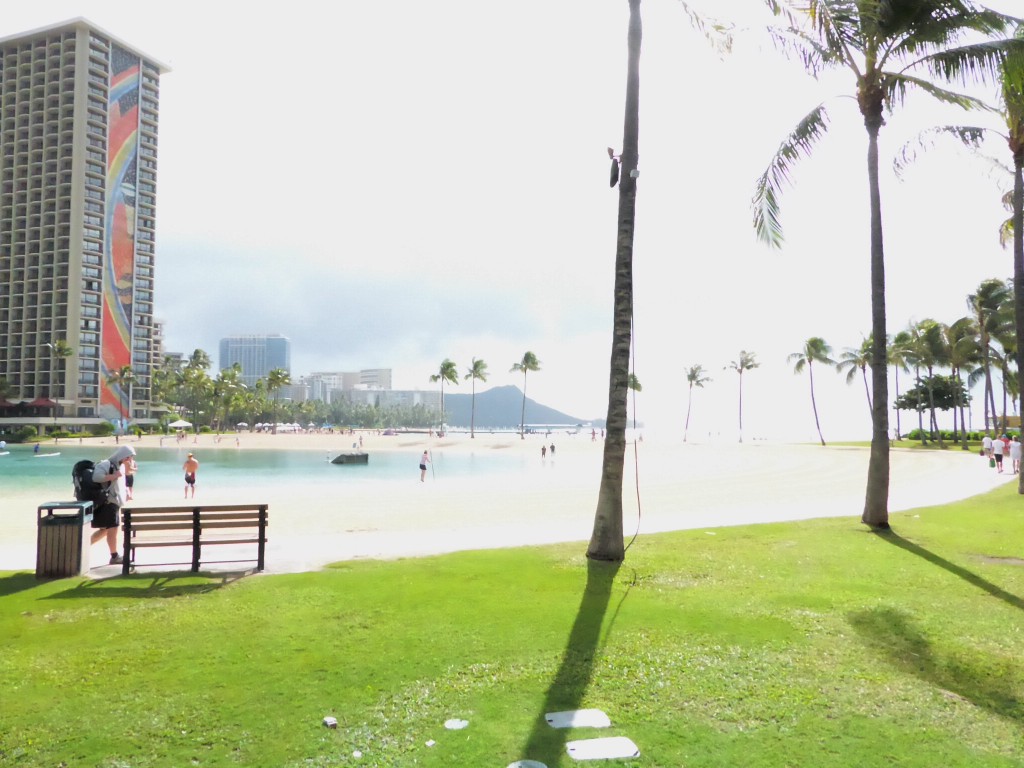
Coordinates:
[500,407]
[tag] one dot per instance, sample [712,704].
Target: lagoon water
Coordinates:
[238,471]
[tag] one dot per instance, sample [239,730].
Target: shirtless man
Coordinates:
[191,466]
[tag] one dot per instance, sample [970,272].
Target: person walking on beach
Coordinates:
[424,460]
[998,447]
[986,445]
[1015,452]
[191,466]
[106,518]
[130,468]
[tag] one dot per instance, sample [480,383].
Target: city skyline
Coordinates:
[427,190]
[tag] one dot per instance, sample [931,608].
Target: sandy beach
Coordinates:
[680,486]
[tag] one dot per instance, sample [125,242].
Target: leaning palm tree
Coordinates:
[746,362]
[527,364]
[446,372]
[695,378]
[477,371]
[853,360]
[815,350]
[883,44]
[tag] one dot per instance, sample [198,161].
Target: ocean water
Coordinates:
[229,468]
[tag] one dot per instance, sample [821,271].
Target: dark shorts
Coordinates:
[129,481]
[106,516]
[423,467]
[190,478]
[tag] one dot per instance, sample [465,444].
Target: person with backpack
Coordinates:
[106,513]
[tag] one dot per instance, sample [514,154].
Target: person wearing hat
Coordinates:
[191,466]
[106,519]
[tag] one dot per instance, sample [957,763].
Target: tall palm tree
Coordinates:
[852,360]
[446,372]
[59,350]
[897,351]
[883,44]
[929,351]
[606,540]
[527,364]
[815,350]
[962,345]
[984,304]
[228,390]
[746,362]
[122,379]
[477,371]
[695,377]
[277,379]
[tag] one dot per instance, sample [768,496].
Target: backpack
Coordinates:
[87,489]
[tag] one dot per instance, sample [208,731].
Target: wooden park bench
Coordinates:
[194,526]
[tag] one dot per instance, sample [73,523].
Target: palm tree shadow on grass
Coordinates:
[974,579]
[570,683]
[892,632]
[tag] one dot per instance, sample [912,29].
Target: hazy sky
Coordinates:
[392,183]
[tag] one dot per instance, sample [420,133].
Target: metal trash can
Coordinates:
[62,543]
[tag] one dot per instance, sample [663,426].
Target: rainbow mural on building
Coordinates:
[119,255]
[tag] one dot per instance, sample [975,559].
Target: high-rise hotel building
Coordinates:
[78,179]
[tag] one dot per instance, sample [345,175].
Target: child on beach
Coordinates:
[424,460]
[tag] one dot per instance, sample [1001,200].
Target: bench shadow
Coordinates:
[569,684]
[970,577]
[161,585]
[892,633]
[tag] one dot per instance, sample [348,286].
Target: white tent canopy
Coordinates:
[180,424]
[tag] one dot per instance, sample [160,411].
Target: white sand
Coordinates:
[681,486]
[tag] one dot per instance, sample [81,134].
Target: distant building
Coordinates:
[322,385]
[257,355]
[381,398]
[78,166]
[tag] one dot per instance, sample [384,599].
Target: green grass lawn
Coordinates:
[801,644]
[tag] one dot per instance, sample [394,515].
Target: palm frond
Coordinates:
[717,33]
[795,43]
[1006,233]
[970,136]
[769,186]
[897,84]
[969,64]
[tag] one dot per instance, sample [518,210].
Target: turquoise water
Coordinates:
[226,468]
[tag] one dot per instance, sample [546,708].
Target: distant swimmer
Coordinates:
[191,466]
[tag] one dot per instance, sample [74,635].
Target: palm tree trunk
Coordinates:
[876,496]
[741,405]
[867,389]
[606,541]
[899,431]
[689,403]
[472,412]
[522,415]
[814,405]
[1018,278]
